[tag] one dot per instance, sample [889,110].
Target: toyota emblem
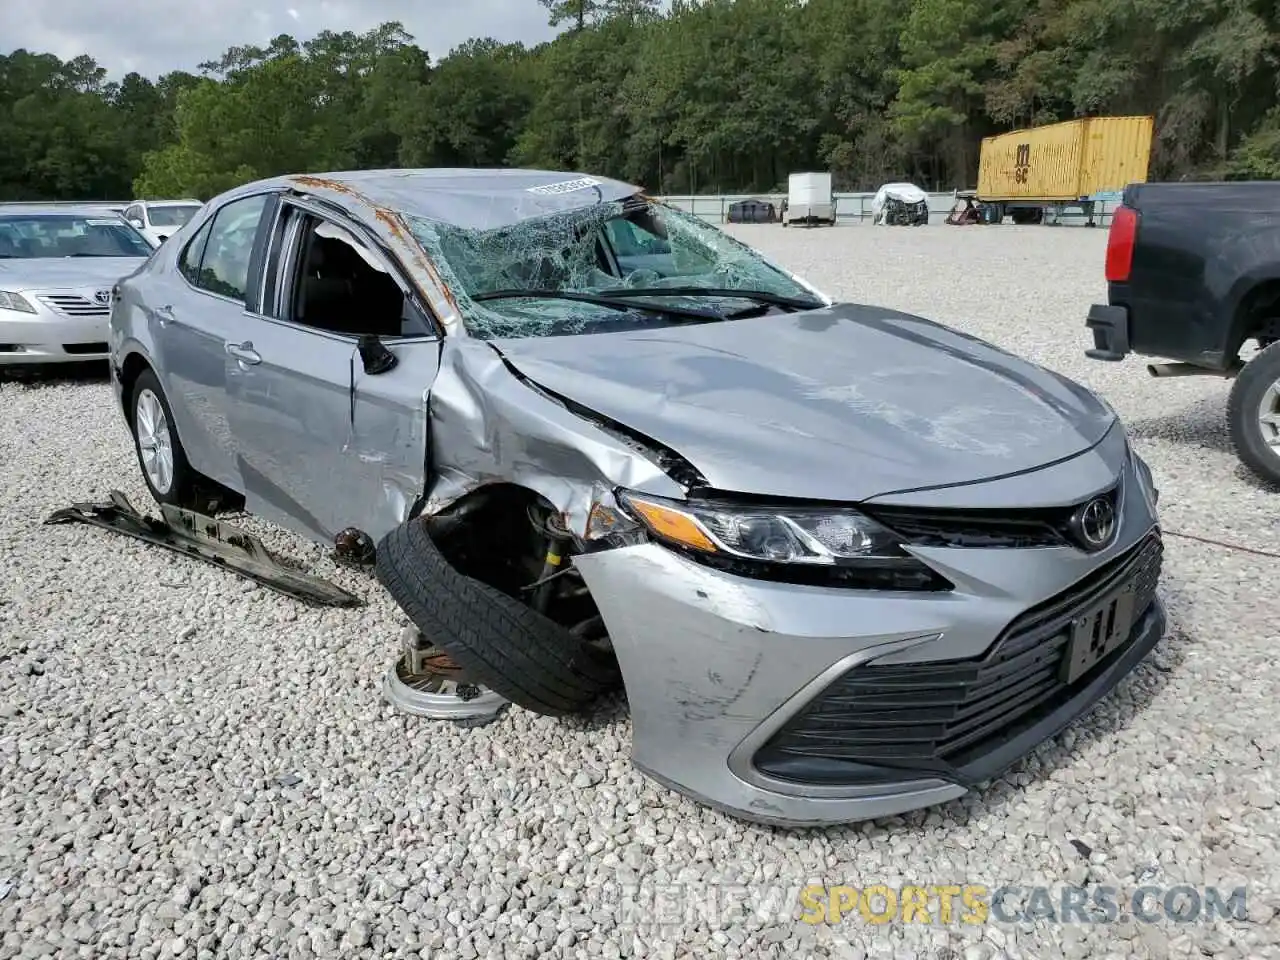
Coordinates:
[1097,522]
[103,297]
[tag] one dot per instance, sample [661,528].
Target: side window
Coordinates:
[341,286]
[189,261]
[630,241]
[640,249]
[224,266]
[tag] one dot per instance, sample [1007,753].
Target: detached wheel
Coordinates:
[165,469]
[500,642]
[1253,414]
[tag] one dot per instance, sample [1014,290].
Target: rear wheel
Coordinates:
[165,469]
[1253,414]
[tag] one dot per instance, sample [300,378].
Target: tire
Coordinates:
[182,488]
[502,643]
[1251,387]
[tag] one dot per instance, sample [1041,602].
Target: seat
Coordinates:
[325,299]
[341,293]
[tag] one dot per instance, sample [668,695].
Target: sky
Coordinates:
[156,36]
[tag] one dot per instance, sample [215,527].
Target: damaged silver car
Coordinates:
[844,561]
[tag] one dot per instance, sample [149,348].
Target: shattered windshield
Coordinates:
[606,249]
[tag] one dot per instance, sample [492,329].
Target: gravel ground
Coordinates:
[196,767]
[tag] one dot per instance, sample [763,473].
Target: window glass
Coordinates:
[599,249]
[630,241]
[224,268]
[48,236]
[172,215]
[189,262]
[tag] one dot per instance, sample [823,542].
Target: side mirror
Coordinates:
[137,223]
[375,356]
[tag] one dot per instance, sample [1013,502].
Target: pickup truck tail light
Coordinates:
[1124,228]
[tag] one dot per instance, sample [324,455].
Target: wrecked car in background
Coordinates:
[900,205]
[845,561]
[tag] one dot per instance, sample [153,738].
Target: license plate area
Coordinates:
[1099,632]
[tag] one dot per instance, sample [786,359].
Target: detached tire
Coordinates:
[1258,384]
[502,643]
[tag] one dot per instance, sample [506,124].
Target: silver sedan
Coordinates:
[846,562]
[58,266]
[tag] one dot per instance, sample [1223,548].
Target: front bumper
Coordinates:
[47,337]
[722,672]
[1110,326]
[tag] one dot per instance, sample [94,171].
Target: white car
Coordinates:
[157,220]
[58,266]
[900,204]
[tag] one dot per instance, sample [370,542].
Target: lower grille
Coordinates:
[73,305]
[97,347]
[942,716]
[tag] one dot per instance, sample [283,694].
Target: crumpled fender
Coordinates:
[490,425]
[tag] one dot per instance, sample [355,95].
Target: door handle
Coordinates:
[244,352]
[164,315]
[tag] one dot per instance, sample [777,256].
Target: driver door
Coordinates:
[323,444]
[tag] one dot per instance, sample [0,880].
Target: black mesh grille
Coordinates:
[1045,527]
[943,716]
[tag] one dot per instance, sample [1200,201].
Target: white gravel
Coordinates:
[195,767]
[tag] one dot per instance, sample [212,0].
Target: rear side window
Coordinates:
[189,262]
[228,248]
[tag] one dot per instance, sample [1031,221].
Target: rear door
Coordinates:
[192,317]
[322,444]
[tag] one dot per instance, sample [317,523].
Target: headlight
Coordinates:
[814,545]
[15,301]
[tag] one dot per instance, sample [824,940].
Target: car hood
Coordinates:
[56,272]
[844,403]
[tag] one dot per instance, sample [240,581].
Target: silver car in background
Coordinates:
[58,266]
[845,561]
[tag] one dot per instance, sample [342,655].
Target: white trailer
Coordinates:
[809,200]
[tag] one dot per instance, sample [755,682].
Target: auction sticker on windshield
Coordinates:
[566,186]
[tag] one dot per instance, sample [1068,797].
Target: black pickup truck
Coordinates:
[1193,274]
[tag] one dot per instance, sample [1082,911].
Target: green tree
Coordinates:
[710,95]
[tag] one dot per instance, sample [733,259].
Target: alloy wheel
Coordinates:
[151,427]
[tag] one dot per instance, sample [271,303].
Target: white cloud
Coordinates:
[144,35]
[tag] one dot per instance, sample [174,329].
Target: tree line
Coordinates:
[707,96]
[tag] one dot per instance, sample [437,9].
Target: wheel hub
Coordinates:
[426,682]
[151,427]
[1269,417]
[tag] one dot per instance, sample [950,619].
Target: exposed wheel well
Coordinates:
[494,534]
[1258,315]
[130,370]
[501,534]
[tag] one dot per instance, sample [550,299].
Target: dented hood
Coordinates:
[844,403]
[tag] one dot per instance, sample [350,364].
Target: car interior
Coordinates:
[343,288]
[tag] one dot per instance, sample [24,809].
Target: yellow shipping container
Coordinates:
[1065,162]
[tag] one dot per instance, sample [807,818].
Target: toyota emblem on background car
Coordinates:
[103,297]
[1097,522]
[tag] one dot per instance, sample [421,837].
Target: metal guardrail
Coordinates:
[852,207]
